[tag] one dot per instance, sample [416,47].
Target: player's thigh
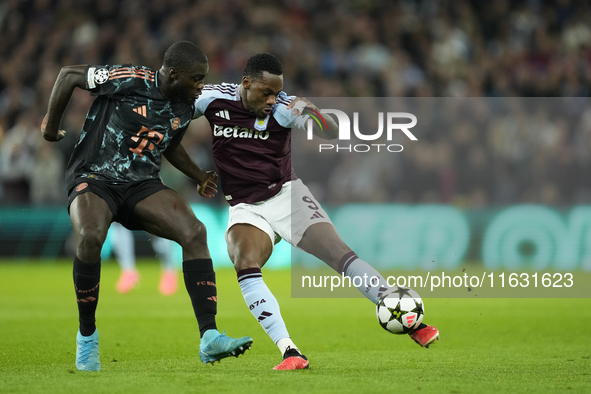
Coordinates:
[303,211]
[90,216]
[167,215]
[248,246]
[324,242]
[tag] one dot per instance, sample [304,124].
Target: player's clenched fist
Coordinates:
[51,136]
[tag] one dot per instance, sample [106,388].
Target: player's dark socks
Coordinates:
[421,326]
[87,279]
[200,283]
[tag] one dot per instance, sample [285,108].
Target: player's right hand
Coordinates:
[299,104]
[208,188]
[51,137]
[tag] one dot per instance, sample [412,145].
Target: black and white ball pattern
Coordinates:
[400,310]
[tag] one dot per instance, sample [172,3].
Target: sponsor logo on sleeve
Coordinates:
[90,77]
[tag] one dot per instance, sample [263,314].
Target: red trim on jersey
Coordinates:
[131,69]
[133,76]
[128,72]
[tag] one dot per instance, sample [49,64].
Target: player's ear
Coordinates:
[173,73]
[246,82]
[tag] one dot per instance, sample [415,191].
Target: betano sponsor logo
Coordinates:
[239,132]
[344,124]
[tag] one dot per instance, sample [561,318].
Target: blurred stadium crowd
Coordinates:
[358,48]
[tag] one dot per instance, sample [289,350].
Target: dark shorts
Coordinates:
[121,198]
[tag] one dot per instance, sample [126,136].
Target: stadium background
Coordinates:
[360,48]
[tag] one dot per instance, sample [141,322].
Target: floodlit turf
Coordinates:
[149,343]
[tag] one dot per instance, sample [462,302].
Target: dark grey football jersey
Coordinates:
[128,127]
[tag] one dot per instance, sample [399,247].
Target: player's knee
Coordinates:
[90,242]
[194,235]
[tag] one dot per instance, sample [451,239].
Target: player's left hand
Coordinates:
[60,133]
[298,104]
[208,188]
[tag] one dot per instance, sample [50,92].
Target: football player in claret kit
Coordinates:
[138,116]
[251,125]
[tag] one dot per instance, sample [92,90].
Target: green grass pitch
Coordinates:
[149,343]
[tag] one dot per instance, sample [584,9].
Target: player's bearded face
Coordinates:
[261,93]
[189,83]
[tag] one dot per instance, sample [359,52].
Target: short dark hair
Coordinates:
[260,62]
[183,55]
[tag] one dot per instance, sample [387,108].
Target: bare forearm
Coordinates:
[68,79]
[181,160]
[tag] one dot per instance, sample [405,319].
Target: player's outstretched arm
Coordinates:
[207,180]
[68,79]
[303,106]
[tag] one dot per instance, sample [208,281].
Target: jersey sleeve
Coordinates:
[208,95]
[117,79]
[284,116]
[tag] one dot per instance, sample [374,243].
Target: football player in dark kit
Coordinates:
[251,125]
[138,116]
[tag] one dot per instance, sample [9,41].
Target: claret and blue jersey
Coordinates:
[128,127]
[252,156]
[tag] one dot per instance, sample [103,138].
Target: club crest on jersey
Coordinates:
[261,124]
[101,76]
[175,123]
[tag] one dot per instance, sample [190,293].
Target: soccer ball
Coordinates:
[400,310]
